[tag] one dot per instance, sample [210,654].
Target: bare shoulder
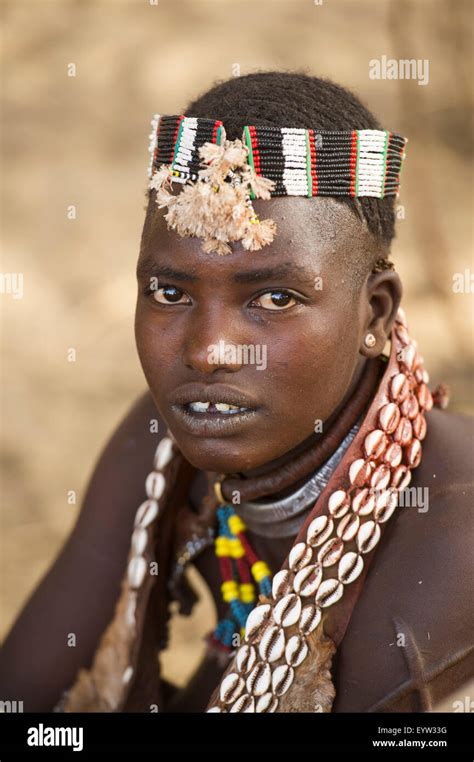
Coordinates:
[447,466]
[449,441]
[417,592]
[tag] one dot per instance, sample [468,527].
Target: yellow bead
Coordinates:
[247,592]
[222,546]
[230,590]
[236,549]
[260,570]
[236,524]
[229,584]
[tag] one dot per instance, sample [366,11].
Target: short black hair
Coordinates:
[296,99]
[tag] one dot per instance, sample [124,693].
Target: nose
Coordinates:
[211,342]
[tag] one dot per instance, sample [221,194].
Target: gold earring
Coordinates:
[370,340]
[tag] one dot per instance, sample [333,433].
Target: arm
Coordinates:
[77,596]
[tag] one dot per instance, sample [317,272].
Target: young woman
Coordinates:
[299,464]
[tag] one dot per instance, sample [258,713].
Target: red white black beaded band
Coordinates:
[221,177]
[300,162]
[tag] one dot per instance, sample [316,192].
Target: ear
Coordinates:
[383,293]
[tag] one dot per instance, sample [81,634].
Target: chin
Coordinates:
[215,454]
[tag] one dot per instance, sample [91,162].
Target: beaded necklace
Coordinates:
[238,564]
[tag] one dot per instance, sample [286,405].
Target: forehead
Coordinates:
[313,233]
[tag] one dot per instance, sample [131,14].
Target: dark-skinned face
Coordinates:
[301,306]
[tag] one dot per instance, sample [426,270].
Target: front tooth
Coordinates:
[199,407]
[223,407]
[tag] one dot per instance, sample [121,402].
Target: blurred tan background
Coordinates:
[83,141]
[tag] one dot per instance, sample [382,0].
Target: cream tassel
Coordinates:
[217,207]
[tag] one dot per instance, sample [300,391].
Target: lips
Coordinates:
[204,410]
[214,394]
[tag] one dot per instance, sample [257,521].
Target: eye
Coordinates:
[276,300]
[169,295]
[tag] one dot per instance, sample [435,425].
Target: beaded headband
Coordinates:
[221,177]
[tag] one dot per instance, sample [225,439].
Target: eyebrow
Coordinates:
[150,268]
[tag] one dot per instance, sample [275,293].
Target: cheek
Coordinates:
[314,374]
[154,352]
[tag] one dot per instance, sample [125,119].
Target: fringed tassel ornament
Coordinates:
[217,207]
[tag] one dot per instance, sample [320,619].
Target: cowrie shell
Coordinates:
[402,334]
[331,552]
[287,611]
[272,645]
[244,704]
[136,571]
[259,680]
[375,443]
[413,453]
[348,527]
[139,540]
[296,651]
[401,478]
[127,675]
[231,688]
[163,454]
[368,536]
[410,407]
[256,618]
[300,555]
[419,427]
[155,485]
[408,356]
[385,505]
[399,387]
[393,455]
[147,512]
[381,477]
[309,619]
[404,432]
[338,503]
[359,472]
[246,658]
[330,590]
[281,584]
[363,502]
[307,580]
[282,679]
[319,530]
[424,397]
[266,703]
[389,417]
[350,567]
[214,710]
